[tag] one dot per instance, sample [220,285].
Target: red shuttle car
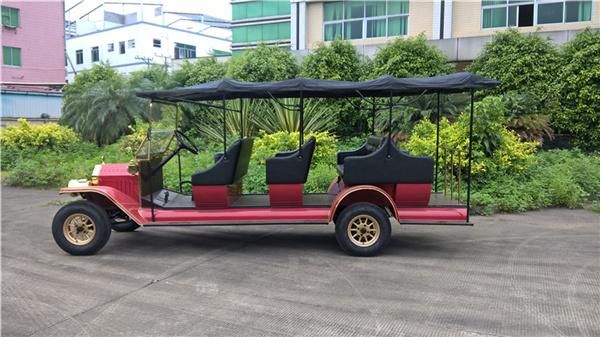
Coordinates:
[377,184]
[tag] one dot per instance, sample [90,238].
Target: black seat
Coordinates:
[387,165]
[228,168]
[372,144]
[291,167]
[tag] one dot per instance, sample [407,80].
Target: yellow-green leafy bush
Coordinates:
[47,136]
[267,145]
[495,148]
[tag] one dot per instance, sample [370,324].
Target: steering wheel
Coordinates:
[185,142]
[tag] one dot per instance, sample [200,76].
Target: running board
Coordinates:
[436,223]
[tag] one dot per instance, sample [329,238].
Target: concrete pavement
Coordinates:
[532,274]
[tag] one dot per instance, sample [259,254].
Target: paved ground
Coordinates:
[533,274]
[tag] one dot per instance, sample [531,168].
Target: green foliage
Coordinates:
[554,179]
[208,123]
[27,136]
[335,61]
[153,78]
[496,150]
[202,71]
[525,118]
[24,138]
[488,119]
[267,145]
[522,62]
[279,118]
[263,64]
[579,87]
[100,105]
[410,57]
[319,178]
[103,112]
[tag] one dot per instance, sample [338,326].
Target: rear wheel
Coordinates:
[363,229]
[81,228]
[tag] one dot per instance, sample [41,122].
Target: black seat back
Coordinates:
[293,167]
[223,171]
[388,165]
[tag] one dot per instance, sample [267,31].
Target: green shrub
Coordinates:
[27,136]
[406,57]
[557,178]
[262,64]
[319,178]
[202,71]
[496,150]
[267,145]
[521,62]
[579,85]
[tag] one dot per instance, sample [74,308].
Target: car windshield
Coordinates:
[156,144]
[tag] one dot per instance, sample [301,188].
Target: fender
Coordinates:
[122,201]
[363,193]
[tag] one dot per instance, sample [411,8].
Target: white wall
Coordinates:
[143,34]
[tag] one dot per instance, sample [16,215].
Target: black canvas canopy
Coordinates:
[380,87]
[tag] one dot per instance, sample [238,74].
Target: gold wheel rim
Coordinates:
[364,230]
[79,229]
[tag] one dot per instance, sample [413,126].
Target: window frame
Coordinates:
[11,11]
[78,55]
[12,56]
[185,47]
[110,47]
[535,4]
[95,51]
[131,44]
[122,49]
[156,45]
[365,19]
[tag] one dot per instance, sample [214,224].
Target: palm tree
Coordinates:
[102,111]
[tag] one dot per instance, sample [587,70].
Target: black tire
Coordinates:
[367,216]
[124,226]
[91,213]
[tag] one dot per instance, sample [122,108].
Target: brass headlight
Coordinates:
[133,168]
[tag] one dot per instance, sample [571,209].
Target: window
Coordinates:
[130,43]
[10,17]
[521,13]
[110,47]
[578,11]
[263,32]
[353,19]
[156,43]
[184,51]
[122,47]
[11,56]
[260,8]
[79,56]
[95,54]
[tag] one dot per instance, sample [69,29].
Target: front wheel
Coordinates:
[81,228]
[363,229]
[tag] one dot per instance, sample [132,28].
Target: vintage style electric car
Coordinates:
[377,184]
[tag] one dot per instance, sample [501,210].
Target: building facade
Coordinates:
[142,35]
[459,27]
[33,59]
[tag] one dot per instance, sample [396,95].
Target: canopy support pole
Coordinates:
[373,112]
[437,142]
[301,126]
[470,152]
[391,106]
[224,128]
[241,118]
[178,155]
